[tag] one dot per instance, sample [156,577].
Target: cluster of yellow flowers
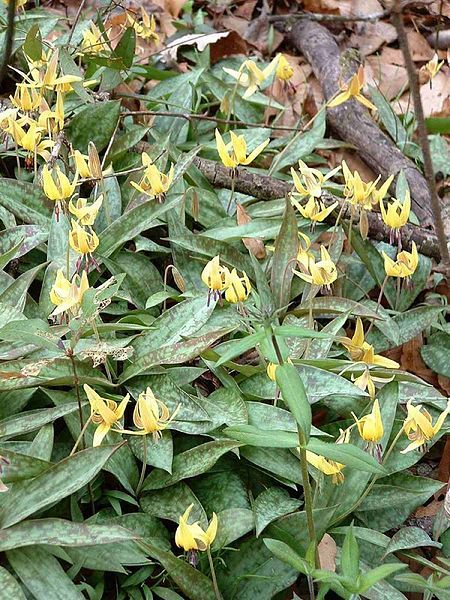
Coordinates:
[220,279]
[251,77]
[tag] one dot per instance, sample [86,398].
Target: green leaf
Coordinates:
[239,346]
[33,43]
[11,590]
[287,555]
[380,573]
[26,201]
[16,294]
[252,436]
[94,124]
[350,556]
[410,537]
[60,532]
[21,466]
[171,502]
[42,574]
[190,463]
[302,144]
[296,331]
[233,523]
[126,47]
[31,331]
[271,504]
[347,454]
[33,419]
[57,482]
[438,124]
[286,248]
[435,353]
[294,396]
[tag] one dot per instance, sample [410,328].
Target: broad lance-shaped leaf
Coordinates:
[347,454]
[297,331]
[287,555]
[34,419]
[60,532]
[252,436]
[61,480]
[10,587]
[294,396]
[21,466]
[26,201]
[239,346]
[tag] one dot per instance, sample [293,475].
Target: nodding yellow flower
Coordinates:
[214,276]
[94,41]
[52,120]
[82,240]
[397,214]
[365,381]
[25,98]
[356,191]
[56,184]
[49,79]
[84,212]
[284,70]
[271,370]
[321,273]
[379,194]
[419,427]
[405,264]
[326,466]
[19,3]
[310,181]
[362,351]
[237,288]
[191,536]
[251,76]
[433,66]
[88,166]
[315,210]
[370,427]
[67,295]
[238,148]
[303,254]
[352,89]
[81,164]
[153,183]
[105,413]
[146,28]
[30,139]
[151,415]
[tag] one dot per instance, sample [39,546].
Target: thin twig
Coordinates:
[397,20]
[325,17]
[75,23]
[9,38]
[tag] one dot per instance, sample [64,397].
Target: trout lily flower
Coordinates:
[322,273]
[362,351]
[94,41]
[310,181]
[67,295]
[153,183]
[105,413]
[405,264]
[191,537]
[31,139]
[251,76]
[49,80]
[315,210]
[215,276]
[56,184]
[352,89]
[237,288]
[151,415]
[284,70]
[89,166]
[370,427]
[396,215]
[419,427]
[84,212]
[304,256]
[433,67]
[25,99]
[235,152]
[146,27]
[326,466]
[84,241]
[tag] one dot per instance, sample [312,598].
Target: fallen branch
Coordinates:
[264,187]
[329,17]
[351,121]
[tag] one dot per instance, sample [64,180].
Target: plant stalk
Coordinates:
[144,465]
[213,574]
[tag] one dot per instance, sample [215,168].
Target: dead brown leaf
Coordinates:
[444,463]
[327,553]
[411,360]
[253,245]
[389,79]
[372,36]
[420,48]
[233,45]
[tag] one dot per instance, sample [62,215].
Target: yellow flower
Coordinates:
[67,295]
[88,166]
[153,182]
[365,381]
[25,98]
[405,264]
[84,212]
[94,41]
[397,214]
[271,370]
[433,66]
[52,120]
[104,412]
[356,191]
[191,536]
[49,79]
[303,255]
[56,184]
[82,240]
[237,288]
[214,276]
[321,273]
[315,210]
[379,194]
[326,466]
[251,76]
[362,351]
[19,3]
[352,89]
[151,415]
[370,427]
[284,70]
[419,427]
[310,181]
[146,28]
[30,139]
[238,148]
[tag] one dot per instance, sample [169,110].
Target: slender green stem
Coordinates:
[233,180]
[144,465]
[85,426]
[213,574]
[306,487]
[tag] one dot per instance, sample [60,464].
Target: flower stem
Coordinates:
[233,181]
[306,487]
[144,465]
[213,574]
[85,426]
